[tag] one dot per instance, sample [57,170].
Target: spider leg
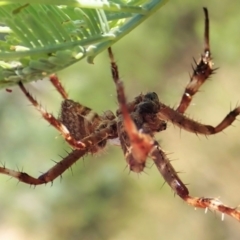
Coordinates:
[170,176]
[51,174]
[65,163]
[54,121]
[169,114]
[201,72]
[140,143]
[58,85]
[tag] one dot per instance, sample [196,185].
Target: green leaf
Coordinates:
[43,37]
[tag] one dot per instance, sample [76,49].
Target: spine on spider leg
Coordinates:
[178,119]
[169,174]
[68,161]
[228,120]
[214,205]
[139,144]
[48,176]
[63,165]
[201,72]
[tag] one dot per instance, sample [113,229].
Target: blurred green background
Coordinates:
[100,199]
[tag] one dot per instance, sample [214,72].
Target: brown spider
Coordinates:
[135,124]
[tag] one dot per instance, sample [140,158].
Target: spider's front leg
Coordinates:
[201,72]
[135,143]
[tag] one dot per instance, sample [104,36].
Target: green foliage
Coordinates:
[41,39]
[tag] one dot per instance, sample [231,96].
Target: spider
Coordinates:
[134,124]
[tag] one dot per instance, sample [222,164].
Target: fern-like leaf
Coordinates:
[43,37]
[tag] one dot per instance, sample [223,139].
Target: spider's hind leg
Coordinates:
[171,177]
[201,72]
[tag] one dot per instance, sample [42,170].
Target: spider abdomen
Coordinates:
[80,121]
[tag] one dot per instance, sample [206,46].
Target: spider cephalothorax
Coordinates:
[134,124]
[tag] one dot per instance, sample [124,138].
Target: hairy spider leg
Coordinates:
[65,163]
[80,120]
[140,143]
[201,72]
[51,174]
[171,177]
[58,85]
[167,171]
[178,119]
[138,139]
[55,122]
[104,132]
